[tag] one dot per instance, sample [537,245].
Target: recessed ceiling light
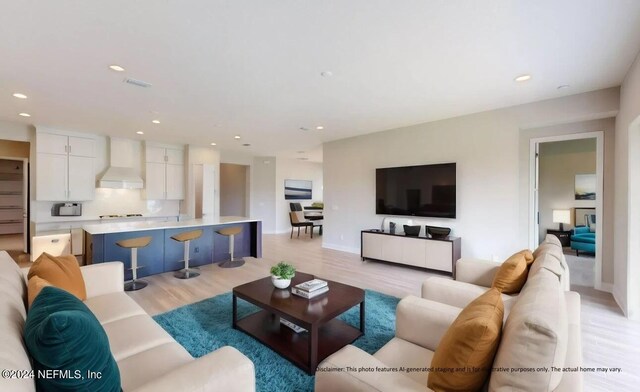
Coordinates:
[20,95]
[115,67]
[140,133]
[213,144]
[236,137]
[319,127]
[326,74]
[246,144]
[563,86]
[522,78]
[304,128]
[24,114]
[156,121]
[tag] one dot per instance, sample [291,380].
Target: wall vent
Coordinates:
[136,82]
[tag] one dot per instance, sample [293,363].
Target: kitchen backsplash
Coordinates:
[110,201]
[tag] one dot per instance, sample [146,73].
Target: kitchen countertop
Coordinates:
[123,227]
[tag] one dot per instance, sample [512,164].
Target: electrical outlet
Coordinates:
[341,237]
[197,250]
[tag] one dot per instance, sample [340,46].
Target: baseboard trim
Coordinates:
[341,248]
[607,287]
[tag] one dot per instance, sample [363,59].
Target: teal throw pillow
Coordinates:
[69,347]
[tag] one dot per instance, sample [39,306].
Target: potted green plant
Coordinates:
[281,274]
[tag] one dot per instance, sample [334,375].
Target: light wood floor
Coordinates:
[609,339]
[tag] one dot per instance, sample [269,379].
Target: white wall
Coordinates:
[627,200]
[492,195]
[263,192]
[294,169]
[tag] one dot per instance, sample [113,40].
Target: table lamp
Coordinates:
[562,217]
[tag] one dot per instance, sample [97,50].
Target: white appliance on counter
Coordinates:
[54,244]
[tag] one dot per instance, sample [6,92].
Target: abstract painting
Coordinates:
[585,187]
[298,189]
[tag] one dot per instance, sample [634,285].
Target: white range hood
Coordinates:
[121,174]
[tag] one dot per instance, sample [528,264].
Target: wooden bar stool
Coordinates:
[186,238]
[134,244]
[231,233]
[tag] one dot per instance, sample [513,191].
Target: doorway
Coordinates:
[567,194]
[234,189]
[14,190]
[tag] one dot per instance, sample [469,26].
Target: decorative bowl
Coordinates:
[437,232]
[411,231]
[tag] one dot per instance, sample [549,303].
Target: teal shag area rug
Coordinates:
[205,326]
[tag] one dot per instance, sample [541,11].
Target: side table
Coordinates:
[563,235]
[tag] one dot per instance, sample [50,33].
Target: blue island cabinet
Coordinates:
[165,254]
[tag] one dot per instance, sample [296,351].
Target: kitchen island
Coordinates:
[164,254]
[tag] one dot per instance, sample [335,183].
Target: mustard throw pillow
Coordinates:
[463,359]
[512,274]
[35,286]
[60,271]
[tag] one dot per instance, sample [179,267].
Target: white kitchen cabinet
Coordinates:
[52,176]
[155,181]
[82,180]
[164,173]
[175,182]
[65,167]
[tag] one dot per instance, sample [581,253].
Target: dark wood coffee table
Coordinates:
[325,334]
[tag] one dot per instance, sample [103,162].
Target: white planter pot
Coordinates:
[280,283]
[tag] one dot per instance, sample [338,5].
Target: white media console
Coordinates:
[431,253]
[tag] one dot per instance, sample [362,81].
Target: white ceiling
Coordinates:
[221,68]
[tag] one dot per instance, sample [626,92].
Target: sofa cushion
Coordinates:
[139,369]
[62,334]
[13,353]
[61,271]
[535,335]
[512,274]
[399,353]
[470,343]
[113,307]
[135,334]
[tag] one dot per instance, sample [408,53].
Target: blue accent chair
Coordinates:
[582,239]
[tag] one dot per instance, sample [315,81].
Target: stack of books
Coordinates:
[310,289]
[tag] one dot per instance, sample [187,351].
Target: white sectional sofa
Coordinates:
[148,358]
[541,329]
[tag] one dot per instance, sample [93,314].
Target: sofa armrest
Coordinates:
[423,322]
[103,278]
[225,369]
[340,372]
[476,271]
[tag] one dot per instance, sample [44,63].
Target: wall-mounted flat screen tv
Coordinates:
[427,190]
